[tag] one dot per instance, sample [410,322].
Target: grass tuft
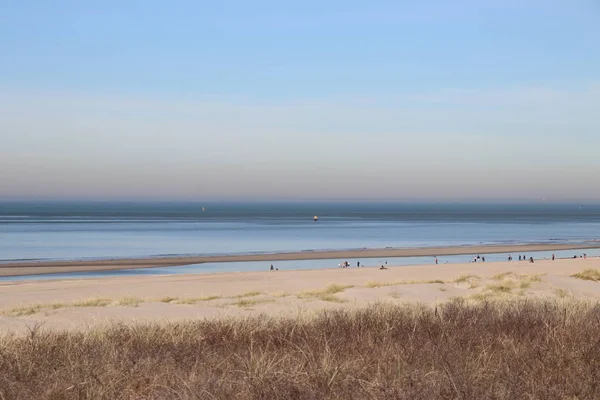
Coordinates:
[247,294]
[207,298]
[129,301]
[588,275]
[501,276]
[377,284]
[466,278]
[244,303]
[95,302]
[326,294]
[168,299]
[505,286]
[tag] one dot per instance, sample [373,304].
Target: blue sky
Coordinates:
[388,100]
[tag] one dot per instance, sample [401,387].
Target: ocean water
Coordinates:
[68,231]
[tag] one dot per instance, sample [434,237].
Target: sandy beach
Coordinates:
[82,303]
[51,267]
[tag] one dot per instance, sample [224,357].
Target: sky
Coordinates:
[271,100]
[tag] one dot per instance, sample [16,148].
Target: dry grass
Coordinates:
[332,298]
[247,294]
[129,301]
[466,278]
[30,310]
[459,350]
[562,293]
[206,298]
[245,303]
[588,275]
[95,302]
[326,294]
[280,294]
[331,289]
[168,299]
[501,276]
[377,284]
[23,311]
[505,286]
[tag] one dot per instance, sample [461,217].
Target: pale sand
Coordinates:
[554,281]
[51,267]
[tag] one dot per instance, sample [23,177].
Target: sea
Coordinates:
[106,230]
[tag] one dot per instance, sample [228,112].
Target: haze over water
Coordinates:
[108,230]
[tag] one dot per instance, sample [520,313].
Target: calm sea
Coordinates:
[107,230]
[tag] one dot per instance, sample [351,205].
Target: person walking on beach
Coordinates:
[272,269]
[358,264]
[552,257]
[436,260]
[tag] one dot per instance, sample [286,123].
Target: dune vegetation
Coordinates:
[518,348]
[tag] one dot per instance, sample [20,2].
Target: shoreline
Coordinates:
[22,268]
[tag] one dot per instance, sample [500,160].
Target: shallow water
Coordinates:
[209,268]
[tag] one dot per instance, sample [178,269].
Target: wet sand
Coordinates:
[85,303]
[51,267]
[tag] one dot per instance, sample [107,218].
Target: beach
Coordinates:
[86,303]
[18,268]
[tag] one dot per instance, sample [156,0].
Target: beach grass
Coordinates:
[501,276]
[248,294]
[249,302]
[326,294]
[168,299]
[377,284]
[509,349]
[588,275]
[466,278]
[129,301]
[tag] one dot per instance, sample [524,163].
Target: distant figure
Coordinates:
[482,259]
[475,259]
[276,269]
[358,264]
[531,260]
[584,256]
[552,257]
[519,257]
[272,269]
[382,267]
[436,260]
[574,256]
[446,262]
[478,257]
[509,257]
[524,258]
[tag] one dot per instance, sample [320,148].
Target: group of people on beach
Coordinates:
[524,258]
[346,264]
